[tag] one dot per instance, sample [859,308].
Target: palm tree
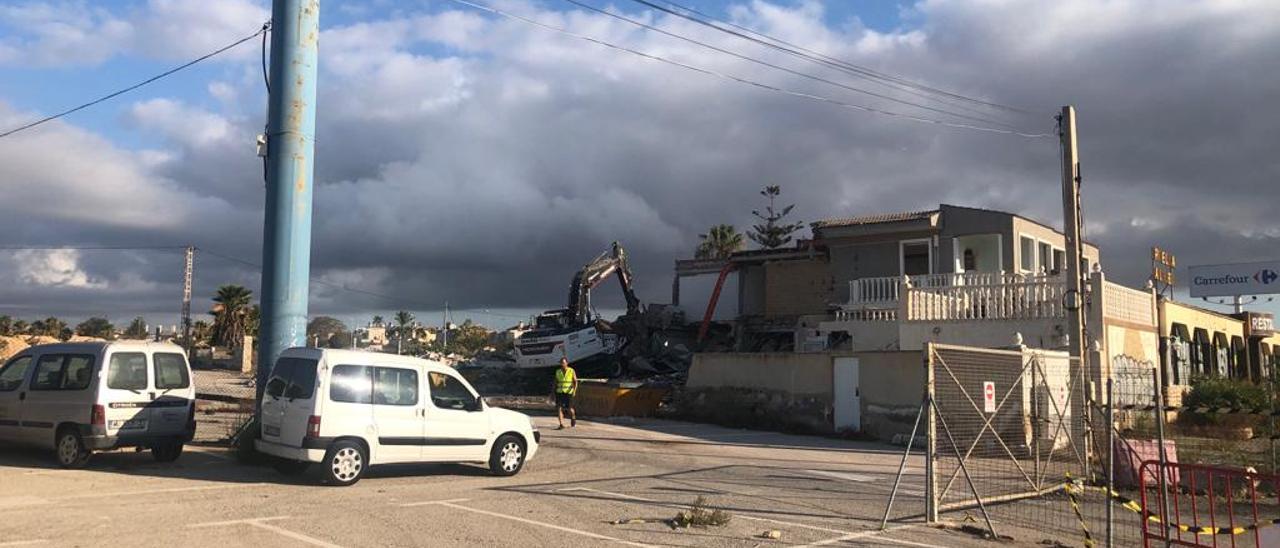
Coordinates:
[719,242]
[200,332]
[403,319]
[231,315]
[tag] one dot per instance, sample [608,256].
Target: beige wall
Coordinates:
[797,287]
[1023,227]
[1038,333]
[795,374]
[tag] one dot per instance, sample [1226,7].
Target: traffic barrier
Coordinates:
[1208,496]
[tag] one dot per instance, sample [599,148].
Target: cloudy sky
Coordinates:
[468,157]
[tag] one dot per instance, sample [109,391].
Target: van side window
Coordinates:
[395,386]
[351,384]
[447,392]
[63,372]
[13,373]
[171,371]
[127,371]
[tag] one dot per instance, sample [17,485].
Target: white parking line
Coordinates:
[541,524]
[739,514]
[261,523]
[847,476]
[878,538]
[23,542]
[235,522]
[158,491]
[430,502]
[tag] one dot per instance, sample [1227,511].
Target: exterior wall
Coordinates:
[1024,227]
[695,292]
[1042,333]
[861,260]
[797,287]
[795,374]
[891,385]
[751,284]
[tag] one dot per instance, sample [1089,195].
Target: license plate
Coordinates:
[131,424]
[269,430]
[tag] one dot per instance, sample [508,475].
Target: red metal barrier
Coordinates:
[1209,506]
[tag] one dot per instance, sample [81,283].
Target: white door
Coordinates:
[457,428]
[848,397]
[13,390]
[289,400]
[398,411]
[127,394]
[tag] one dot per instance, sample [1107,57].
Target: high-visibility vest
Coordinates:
[564,380]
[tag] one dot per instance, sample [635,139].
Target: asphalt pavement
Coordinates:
[810,490]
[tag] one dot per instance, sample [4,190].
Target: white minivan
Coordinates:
[77,398]
[350,409]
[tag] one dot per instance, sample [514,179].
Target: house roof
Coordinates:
[877,218]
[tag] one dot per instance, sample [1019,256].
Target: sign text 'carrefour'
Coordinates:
[1225,280]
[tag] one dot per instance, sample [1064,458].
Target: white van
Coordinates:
[77,398]
[349,409]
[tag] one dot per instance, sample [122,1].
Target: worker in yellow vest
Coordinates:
[566,387]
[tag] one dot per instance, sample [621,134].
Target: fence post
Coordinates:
[931,436]
[1111,462]
[1164,459]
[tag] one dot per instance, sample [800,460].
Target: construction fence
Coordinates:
[1031,445]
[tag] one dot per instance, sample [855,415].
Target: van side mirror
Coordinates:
[475,405]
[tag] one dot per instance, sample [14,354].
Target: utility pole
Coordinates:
[187,276]
[291,125]
[1071,219]
[444,331]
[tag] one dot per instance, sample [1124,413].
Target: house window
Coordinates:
[915,257]
[1027,257]
[1046,258]
[970,261]
[1059,261]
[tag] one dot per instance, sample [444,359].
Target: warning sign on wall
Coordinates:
[988,397]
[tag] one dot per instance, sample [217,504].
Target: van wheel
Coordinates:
[168,452]
[290,467]
[507,456]
[70,449]
[345,463]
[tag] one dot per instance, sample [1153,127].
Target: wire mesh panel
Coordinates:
[1009,429]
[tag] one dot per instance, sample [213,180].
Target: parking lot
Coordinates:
[811,490]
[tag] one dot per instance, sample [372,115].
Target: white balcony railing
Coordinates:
[963,296]
[1006,297]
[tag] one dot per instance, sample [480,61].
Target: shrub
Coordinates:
[1223,392]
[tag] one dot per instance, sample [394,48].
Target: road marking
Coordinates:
[158,491]
[848,476]
[295,536]
[236,521]
[261,523]
[878,538]
[739,514]
[430,502]
[542,524]
[23,542]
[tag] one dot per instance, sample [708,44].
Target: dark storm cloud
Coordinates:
[486,175]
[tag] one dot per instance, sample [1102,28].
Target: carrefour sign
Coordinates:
[1224,280]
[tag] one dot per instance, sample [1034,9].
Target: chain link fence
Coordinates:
[225,403]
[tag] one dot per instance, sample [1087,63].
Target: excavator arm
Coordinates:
[612,262]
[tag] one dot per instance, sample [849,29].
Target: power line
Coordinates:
[814,56]
[647,26]
[50,118]
[92,248]
[753,83]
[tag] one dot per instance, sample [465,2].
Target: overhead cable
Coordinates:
[737,55]
[111,95]
[815,56]
[753,83]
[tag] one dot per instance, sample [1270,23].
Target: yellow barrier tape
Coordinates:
[1073,489]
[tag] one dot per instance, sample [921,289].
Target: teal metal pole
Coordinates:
[291,127]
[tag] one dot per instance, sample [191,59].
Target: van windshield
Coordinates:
[171,371]
[127,371]
[293,378]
